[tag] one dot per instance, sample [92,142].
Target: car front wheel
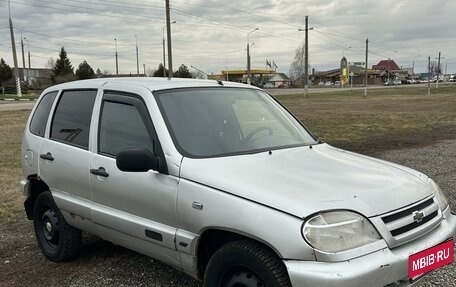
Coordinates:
[245,263]
[57,240]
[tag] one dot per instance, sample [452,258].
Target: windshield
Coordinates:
[210,122]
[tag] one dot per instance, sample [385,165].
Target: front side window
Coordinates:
[41,115]
[72,117]
[121,128]
[208,122]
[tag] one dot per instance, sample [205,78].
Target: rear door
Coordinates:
[140,204]
[35,132]
[65,156]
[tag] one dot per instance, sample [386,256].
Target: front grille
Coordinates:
[414,225]
[407,220]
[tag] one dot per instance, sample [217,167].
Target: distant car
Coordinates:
[452,78]
[329,83]
[337,83]
[397,82]
[321,83]
[388,83]
[269,85]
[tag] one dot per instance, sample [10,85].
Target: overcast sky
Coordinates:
[212,35]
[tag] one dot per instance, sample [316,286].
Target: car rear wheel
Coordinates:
[57,240]
[245,263]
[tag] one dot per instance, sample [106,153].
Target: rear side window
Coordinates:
[122,127]
[41,115]
[72,117]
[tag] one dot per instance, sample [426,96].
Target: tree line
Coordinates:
[63,71]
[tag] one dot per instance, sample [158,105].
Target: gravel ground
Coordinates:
[103,264]
[438,161]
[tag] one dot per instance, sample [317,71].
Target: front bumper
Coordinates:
[387,267]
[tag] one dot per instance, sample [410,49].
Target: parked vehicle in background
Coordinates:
[388,83]
[219,180]
[452,78]
[329,83]
[440,79]
[337,83]
[321,83]
[397,82]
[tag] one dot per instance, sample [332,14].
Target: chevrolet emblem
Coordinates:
[418,216]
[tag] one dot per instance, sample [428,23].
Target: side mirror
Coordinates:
[136,160]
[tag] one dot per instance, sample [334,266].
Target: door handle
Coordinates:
[47,156]
[101,171]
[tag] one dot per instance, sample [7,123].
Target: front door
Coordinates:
[139,204]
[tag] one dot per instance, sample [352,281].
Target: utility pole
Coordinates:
[164,45]
[117,58]
[137,57]
[13,44]
[168,31]
[23,57]
[164,55]
[248,54]
[429,75]
[248,62]
[306,59]
[438,72]
[365,72]
[144,66]
[28,52]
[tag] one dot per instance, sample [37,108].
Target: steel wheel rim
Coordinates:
[49,225]
[241,277]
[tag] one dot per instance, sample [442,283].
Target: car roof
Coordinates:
[151,83]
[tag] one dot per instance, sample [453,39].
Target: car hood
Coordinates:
[302,181]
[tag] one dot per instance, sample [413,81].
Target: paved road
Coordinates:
[16,106]
[277,92]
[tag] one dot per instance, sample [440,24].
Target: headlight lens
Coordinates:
[441,199]
[338,231]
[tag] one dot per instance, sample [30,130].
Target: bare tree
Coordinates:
[297,67]
[50,63]
[150,72]
[434,67]
[198,75]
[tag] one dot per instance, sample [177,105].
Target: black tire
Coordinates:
[245,263]
[57,240]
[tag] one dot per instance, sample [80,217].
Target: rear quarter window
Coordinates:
[41,115]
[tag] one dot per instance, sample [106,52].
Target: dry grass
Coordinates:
[11,128]
[347,117]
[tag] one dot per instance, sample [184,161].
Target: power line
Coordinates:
[71,40]
[84,12]
[124,5]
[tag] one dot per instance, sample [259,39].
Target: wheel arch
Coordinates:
[35,186]
[213,238]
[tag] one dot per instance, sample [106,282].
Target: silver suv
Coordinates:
[222,182]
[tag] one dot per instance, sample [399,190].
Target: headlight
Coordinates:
[337,231]
[441,199]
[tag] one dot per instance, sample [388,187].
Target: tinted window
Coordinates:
[121,127]
[71,122]
[41,115]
